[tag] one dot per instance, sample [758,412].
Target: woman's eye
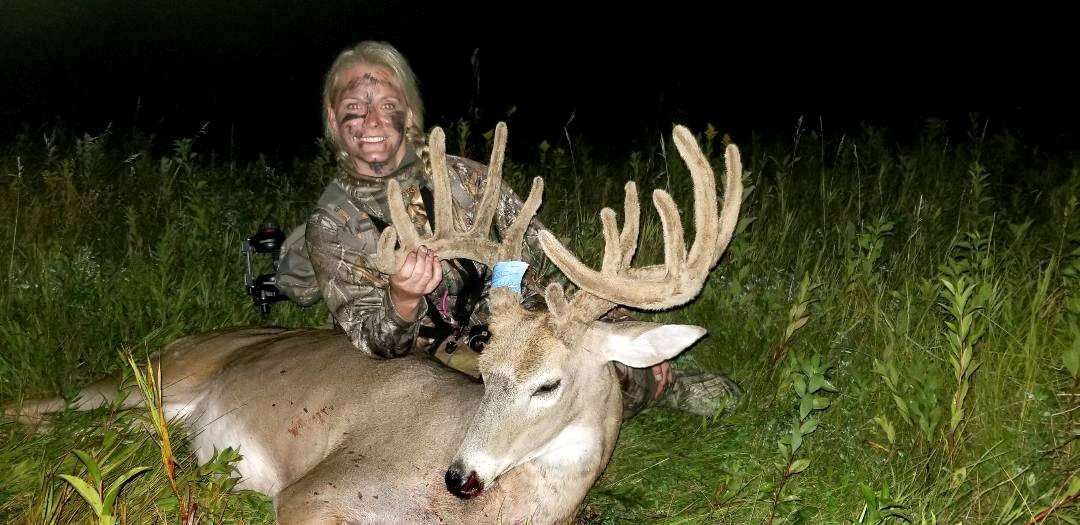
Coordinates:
[547,387]
[389,106]
[352,105]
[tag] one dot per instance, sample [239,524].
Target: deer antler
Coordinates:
[447,240]
[656,287]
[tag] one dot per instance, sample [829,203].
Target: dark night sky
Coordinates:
[255,68]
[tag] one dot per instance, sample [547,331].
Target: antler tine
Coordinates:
[705,216]
[619,248]
[485,211]
[515,235]
[440,182]
[572,316]
[674,248]
[385,256]
[613,253]
[447,240]
[631,223]
[387,260]
[682,275]
[556,300]
[729,218]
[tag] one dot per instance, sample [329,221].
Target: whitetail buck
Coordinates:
[335,436]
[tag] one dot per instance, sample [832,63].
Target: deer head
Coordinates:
[550,397]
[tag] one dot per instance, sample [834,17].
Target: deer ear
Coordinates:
[641,345]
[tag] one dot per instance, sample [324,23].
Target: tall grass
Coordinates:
[937,279]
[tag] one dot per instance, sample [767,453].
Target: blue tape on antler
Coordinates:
[508,274]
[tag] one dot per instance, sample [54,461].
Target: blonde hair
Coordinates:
[384,55]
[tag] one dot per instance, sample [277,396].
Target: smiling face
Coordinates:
[367,117]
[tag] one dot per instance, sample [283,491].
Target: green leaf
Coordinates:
[958,477]
[1074,487]
[805,406]
[114,489]
[868,496]
[809,426]
[796,441]
[955,366]
[799,465]
[956,416]
[744,222]
[821,403]
[86,491]
[794,327]
[229,455]
[902,406]
[818,382]
[949,285]
[118,459]
[887,426]
[1071,358]
[800,385]
[973,367]
[109,438]
[783,449]
[91,466]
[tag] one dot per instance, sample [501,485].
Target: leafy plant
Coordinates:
[807,382]
[101,498]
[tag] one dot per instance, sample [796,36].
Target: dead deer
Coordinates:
[334,436]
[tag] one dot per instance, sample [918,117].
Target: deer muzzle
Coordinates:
[464,487]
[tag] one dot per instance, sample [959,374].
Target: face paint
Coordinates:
[368,80]
[349,117]
[397,121]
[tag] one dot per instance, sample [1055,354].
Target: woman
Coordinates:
[374,121]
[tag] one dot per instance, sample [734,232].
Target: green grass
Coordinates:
[844,252]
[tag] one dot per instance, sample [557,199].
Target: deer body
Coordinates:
[336,436]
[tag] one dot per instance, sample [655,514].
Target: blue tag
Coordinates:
[508,274]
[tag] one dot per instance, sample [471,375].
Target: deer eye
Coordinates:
[547,388]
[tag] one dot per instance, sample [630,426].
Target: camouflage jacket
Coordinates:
[341,239]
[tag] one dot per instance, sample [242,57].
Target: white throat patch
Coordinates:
[573,446]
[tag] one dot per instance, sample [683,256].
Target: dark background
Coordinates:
[253,70]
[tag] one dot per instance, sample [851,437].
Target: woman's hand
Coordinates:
[418,276]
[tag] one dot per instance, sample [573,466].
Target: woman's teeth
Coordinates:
[372,140]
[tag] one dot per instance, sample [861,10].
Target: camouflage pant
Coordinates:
[638,389]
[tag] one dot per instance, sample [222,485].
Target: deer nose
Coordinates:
[463,487]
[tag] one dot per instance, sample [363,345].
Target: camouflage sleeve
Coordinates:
[357,296]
